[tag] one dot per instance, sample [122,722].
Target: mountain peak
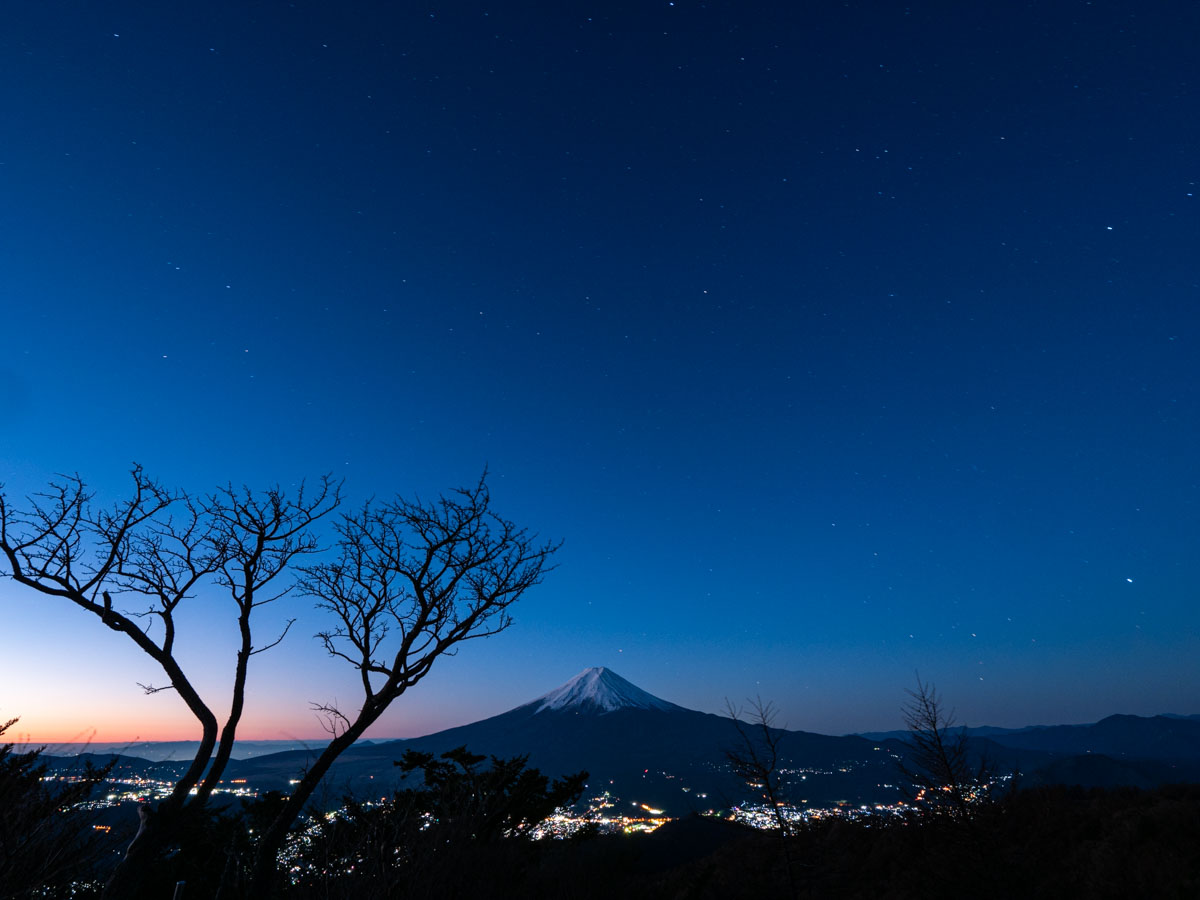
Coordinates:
[599,690]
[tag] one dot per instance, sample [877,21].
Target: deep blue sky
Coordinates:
[837,341]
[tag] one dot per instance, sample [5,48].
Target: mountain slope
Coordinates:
[646,750]
[636,746]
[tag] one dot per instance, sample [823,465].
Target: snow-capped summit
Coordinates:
[600,690]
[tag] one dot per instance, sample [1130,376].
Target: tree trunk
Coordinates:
[128,879]
[263,879]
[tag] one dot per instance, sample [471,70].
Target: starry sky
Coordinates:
[837,341]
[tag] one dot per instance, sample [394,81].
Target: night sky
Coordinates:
[838,341]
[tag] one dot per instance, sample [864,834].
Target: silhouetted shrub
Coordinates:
[46,842]
[456,835]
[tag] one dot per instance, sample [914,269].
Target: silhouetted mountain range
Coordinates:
[175,751]
[1143,737]
[637,746]
[646,750]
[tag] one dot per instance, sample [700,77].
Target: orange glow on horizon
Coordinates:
[48,731]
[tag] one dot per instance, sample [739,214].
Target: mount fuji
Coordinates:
[638,747]
[598,690]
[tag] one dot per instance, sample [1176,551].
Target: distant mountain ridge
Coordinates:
[650,751]
[170,751]
[1163,737]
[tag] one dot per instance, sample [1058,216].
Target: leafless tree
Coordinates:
[939,765]
[157,548]
[756,761]
[410,581]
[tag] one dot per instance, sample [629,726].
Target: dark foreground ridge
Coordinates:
[459,832]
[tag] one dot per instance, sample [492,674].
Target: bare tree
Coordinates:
[410,582]
[157,548]
[755,760]
[939,765]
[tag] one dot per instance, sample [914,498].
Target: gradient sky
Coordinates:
[837,341]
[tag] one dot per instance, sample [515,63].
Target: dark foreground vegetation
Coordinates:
[461,836]
[1044,842]
[1050,842]
[1041,843]
[45,838]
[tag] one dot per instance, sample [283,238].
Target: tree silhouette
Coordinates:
[158,548]
[410,582]
[755,760]
[441,838]
[939,765]
[45,840]
[470,803]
